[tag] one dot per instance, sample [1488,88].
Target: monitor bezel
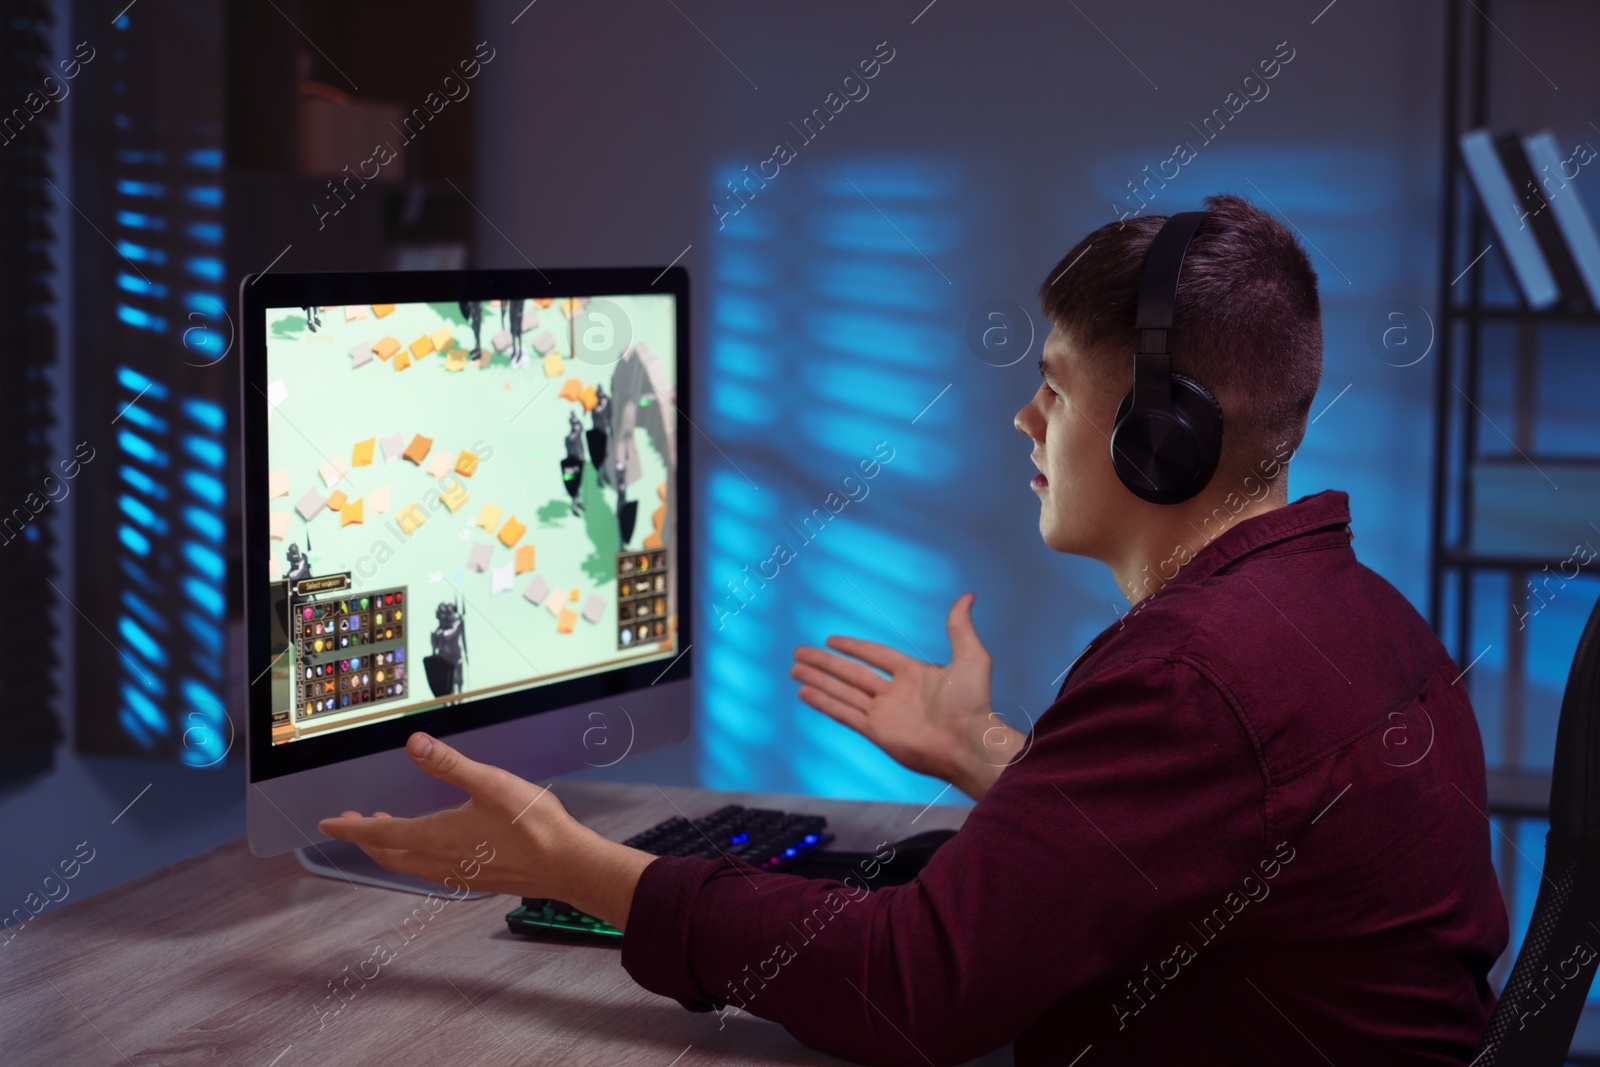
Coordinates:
[257,293]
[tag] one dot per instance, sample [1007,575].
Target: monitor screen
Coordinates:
[466,499]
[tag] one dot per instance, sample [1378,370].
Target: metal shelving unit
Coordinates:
[1463,349]
[1474,341]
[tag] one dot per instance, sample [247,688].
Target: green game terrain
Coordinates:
[514,420]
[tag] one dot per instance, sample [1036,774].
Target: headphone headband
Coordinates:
[1158,299]
[1158,289]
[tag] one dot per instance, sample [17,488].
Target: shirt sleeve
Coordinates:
[1138,804]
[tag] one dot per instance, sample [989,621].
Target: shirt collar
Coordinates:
[1326,514]
[1319,518]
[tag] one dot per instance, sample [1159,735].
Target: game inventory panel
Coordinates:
[350,651]
[641,597]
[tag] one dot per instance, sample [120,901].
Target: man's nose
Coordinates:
[1024,421]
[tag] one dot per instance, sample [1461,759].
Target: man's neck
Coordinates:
[1155,554]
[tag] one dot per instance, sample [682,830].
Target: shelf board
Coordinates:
[1456,557]
[1545,459]
[1519,792]
[1552,316]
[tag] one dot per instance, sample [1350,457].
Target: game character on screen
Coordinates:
[472,311]
[572,465]
[599,434]
[444,667]
[299,565]
[513,308]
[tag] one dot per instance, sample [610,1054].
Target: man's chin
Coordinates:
[1058,537]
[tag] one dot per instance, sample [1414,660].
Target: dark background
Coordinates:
[832,312]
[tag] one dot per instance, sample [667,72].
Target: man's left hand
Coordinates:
[526,828]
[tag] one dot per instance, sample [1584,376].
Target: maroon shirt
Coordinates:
[1250,829]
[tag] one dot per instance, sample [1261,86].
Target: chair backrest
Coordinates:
[1538,1011]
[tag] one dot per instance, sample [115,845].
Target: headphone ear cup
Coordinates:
[1167,456]
[1201,410]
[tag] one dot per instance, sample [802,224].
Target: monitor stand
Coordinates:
[345,862]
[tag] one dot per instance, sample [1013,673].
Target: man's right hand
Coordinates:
[932,719]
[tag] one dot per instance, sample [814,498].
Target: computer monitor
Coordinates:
[464,500]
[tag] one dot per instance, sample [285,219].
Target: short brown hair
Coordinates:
[1248,323]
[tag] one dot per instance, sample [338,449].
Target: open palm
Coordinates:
[932,718]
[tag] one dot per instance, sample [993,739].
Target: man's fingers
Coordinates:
[963,635]
[835,709]
[881,656]
[402,862]
[410,846]
[387,858]
[448,765]
[379,833]
[859,678]
[841,691]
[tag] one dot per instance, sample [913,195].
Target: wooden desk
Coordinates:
[226,958]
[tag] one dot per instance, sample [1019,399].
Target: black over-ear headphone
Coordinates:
[1168,434]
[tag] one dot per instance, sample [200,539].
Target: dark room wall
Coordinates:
[834,306]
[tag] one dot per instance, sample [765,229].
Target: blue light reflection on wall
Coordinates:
[818,348]
[170,447]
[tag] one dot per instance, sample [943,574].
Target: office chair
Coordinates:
[1538,1012]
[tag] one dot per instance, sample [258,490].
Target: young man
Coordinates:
[1249,830]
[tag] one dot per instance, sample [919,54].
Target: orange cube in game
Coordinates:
[512,532]
[525,558]
[385,347]
[466,463]
[380,310]
[422,346]
[418,449]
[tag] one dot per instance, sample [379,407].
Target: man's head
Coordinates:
[1248,326]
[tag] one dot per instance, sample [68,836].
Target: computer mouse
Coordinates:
[911,854]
